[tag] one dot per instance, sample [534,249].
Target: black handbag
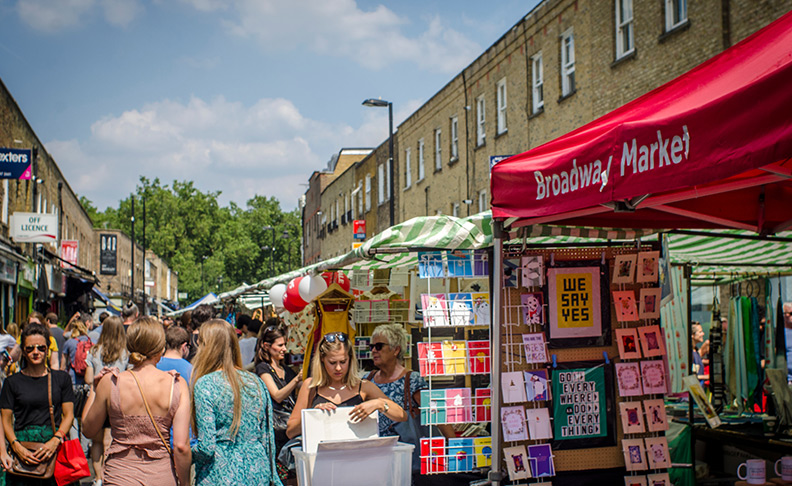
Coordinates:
[280,415]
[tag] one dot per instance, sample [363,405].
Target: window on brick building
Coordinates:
[455,210]
[482,200]
[438,150]
[368,192]
[624,28]
[537,83]
[407,167]
[421,167]
[480,120]
[500,96]
[675,13]
[567,63]
[454,138]
[360,198]
[381,183]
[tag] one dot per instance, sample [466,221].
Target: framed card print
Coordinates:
[535,349]
[517,462]
[511,272]
[652,341]
[661,479]
[536,389]
[532,308]
[657,452]
[634,455]
[646,271]
[627,339]
[624,269]
[632,417]
[578,304]
[532,271]
[624,302]
[654,377]
[649,303]
[514,426]
[629,377]
[656,419]
[634,480]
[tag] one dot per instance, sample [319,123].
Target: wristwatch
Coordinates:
[385,406]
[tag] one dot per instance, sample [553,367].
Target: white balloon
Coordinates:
[311,287]
[276,294]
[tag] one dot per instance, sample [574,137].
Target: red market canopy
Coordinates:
[709,149]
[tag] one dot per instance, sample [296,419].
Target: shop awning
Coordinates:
[709,149]
[209,298]
[111,307]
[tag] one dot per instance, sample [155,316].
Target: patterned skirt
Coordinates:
[33,433]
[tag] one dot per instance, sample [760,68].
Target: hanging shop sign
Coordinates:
[359,229]
[8,270]
[27,276]
[15,163]
[582,405]
[34,227]
[494,159]
[69,252]
[108,254]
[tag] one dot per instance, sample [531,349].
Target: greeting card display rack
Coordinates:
[542,320]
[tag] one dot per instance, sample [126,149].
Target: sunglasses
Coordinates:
[336,336]
[41,348]
[378,346]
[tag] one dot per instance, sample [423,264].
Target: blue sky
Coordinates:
[241,96]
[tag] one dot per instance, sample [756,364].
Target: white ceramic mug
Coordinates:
[786,468]
[754,471]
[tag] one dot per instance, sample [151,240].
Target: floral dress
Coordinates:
[247,458]
[395,391]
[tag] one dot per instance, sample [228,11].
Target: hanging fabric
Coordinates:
[674,317]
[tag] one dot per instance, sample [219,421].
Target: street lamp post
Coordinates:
[381,104]
[272,250]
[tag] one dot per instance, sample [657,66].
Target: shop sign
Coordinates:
[15,163]
[56,279]
[8,270]
[108,254]
[34,227]
[495,159]
[359,229]
[356,245]
[28,277]
[69,251]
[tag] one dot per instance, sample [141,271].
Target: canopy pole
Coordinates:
[495,474]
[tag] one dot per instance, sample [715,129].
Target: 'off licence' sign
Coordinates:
[34,227]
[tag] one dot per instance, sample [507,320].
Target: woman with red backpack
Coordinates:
[74,357]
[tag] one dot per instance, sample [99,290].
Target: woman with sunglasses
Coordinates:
[335,382]
[25,405]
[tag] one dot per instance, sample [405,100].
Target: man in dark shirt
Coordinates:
[55,330]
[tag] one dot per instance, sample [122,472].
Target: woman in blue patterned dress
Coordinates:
[232,414]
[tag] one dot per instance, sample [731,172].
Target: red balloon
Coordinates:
[328,277]
[342,280]
[289,305]
[293,291]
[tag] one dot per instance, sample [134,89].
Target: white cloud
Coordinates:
[56,15]
[266,148]
[374,38]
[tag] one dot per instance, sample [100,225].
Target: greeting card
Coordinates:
[541,460]
[433,407]
[628,376]
[454,357]
[483,449]
[657,452]
[460,263]
[514,427]
[652,341]
[433,455]
[624,301]
[532,271]
[532,308]
[627,339]
[624,269]
[430,359]
[435,311]
[632,417]
[481,263]
[478,357]
[634,480]
[430,264]
[460,309]
[661,479]
[646,271]
[634,456]
[656,420]
[510,272]
[458,406]
[481,309]
[536,388]
[649,303]
[363,347]
[535,349]
[517,462]
[483,405]
[538,420]
[513,387]
[460,454]
[654,377]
